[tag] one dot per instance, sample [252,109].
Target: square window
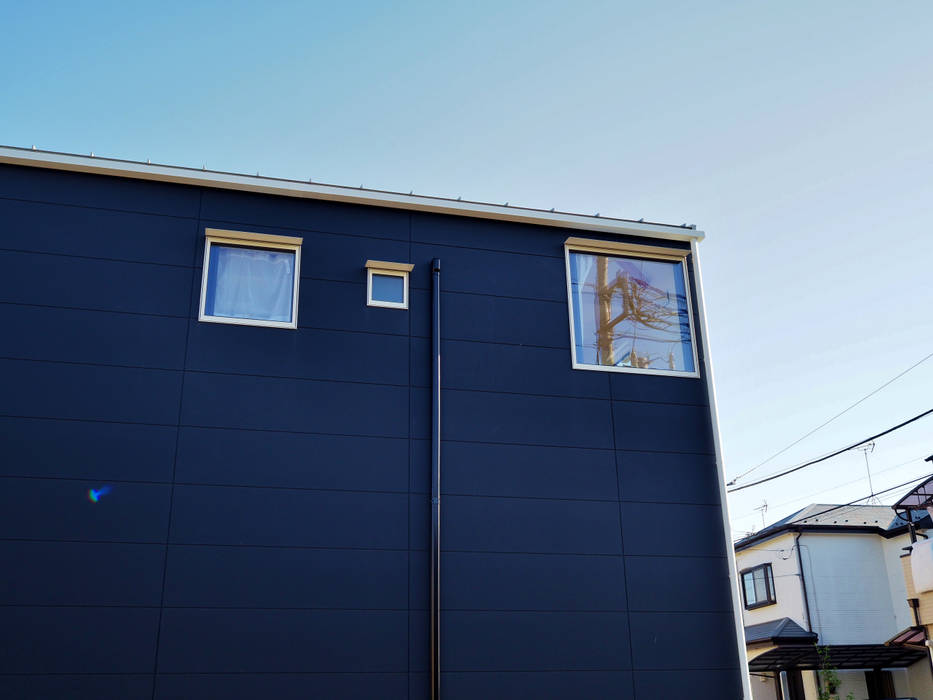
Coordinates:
[387,284]
[630,309]
[758,587]
[250,279]
[388,288]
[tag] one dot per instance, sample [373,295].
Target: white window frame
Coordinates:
[244,239]
[630,250]
[390,269]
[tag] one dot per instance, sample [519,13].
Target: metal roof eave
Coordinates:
[296,188]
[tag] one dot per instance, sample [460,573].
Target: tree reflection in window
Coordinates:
[630,312]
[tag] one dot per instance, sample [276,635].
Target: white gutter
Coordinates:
[336,193]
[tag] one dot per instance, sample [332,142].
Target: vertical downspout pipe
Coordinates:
[803,581]
[436,484]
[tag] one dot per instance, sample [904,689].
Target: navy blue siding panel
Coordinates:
[419,521]
[529,420]
[307,214]
[507,236]
[283,686]
[61,510]
[225,515]
[217,456]
[713,684]
[86,450]
[710,637]
[678,584]
[73,335]
[530,525]
[53,390]
[657,388]
[266,577]
[666,477]
[76,687]
[698,528]
[236,401]
[535,641]
[479,581]
[470,232]
[107,285]
[334,641]
[326,255]
[490,272]
[480,469]
[493,319]
[506,368]
[97,233]
[553,685]
[418,642]
[662,427]
[81,573]
[77,640]
[85,190]
[342,306]
[305,352]
[419,686]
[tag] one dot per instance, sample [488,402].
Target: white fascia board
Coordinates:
[335,193]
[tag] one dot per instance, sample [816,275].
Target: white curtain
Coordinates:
[249,283]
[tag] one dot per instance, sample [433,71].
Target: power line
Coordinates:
[841,413]
[855,502]
[830,455]
[843,505]
[832,488]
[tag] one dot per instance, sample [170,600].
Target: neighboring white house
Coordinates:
[831,576]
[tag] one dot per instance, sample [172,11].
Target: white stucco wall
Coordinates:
[849,588]
[779,551]
[893,549]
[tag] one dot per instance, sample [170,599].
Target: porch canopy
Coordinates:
[842,656]
[919,498]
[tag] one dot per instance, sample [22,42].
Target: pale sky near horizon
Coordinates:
[797,135]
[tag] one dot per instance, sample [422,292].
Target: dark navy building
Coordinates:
[274,439]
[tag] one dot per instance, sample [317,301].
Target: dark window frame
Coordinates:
[771,598]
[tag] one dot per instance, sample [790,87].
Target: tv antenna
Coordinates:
[763,508]
[865,450]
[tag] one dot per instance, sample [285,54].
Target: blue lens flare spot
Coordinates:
[93,495]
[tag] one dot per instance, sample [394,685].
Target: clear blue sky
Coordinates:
[796,134]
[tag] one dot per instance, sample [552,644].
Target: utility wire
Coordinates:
[830,455]
[841,413]
[855,502]
[844,505]
[832,488]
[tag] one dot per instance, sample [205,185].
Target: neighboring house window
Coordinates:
[630,308]
[387,284]
[758,586]
[250,279]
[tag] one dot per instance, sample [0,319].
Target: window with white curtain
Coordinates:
[630,308]
[250,279]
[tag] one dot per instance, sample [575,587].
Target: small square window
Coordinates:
[758,587]
[387,284]
[250,279]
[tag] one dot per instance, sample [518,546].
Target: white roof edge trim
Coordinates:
[295,188]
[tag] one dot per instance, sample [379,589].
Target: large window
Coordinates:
[758,586]
[630,310]
[250,279]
